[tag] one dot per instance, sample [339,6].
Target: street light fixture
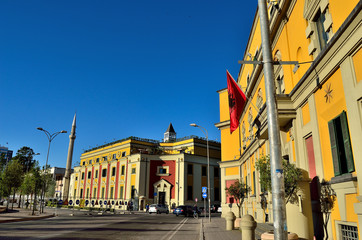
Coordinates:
[208,164]
[50,139]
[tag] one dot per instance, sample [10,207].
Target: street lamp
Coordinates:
[208,163]
[50,139]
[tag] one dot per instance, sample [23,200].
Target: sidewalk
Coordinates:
[217,230]
[20,214]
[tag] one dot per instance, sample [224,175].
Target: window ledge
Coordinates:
[348,177]
[162,174]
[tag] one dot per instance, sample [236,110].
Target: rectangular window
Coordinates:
[82,175]
[75,193]
[76,178]
[122,170]
[216,172]
[123,154]
[111,195]
[104,172]
[83,163]
[94,192]
[189,193]
[216,194]
[114,156]
[114,171]
[97,160]
[203,171]
[132,192]
[90,161]
[104,158]
[121,192]
[96,174]
[341,145]
[254,183]
[81,192]
[162,170]
[349,232]
[89,175]
[87,193]
[322,34]
[102,192]
[189,169]
[133,170]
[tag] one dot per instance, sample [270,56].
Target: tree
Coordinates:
[11,179]
[292,175]
[25,157]
[238,190]
[327,199]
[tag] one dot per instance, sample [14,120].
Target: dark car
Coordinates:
[214,208]
[185,210]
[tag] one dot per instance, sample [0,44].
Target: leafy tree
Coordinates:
[292,175]
[11,179]
[2,161]
[25,157]
[238,190]
[327,199]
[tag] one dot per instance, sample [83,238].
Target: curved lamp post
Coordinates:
[50,139]
[208,163]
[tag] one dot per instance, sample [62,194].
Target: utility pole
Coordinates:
[277,178]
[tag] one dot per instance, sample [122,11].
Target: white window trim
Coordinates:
[163,174]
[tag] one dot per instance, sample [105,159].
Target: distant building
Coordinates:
[144,171]
[8,153]
[58,176]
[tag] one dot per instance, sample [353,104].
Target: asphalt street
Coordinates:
[95,226]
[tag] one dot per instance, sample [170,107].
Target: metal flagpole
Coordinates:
[277,178]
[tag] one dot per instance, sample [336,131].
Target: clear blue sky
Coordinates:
[127,68]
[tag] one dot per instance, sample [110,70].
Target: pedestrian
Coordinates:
[147,207]
[27,204]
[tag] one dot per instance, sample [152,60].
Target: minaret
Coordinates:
[68,168]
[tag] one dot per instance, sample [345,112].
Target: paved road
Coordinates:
[81,226]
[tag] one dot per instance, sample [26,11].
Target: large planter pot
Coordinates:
[270,236]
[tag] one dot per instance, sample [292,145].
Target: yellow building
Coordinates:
[141,171]
[319,109]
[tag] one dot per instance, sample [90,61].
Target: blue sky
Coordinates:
[127,68]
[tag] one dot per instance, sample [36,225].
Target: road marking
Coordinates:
[175,229]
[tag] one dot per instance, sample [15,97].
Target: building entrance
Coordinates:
[161,198]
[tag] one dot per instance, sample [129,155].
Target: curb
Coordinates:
[202,237]
[25,219]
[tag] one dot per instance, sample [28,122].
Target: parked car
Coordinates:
[185,210]
[158,208]
[219,210]
[214,208]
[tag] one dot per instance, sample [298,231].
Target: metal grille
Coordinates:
[349,232]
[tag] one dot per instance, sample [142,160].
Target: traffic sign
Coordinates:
[204,189]
[105,202]
[93,202]
[77,202]
[195,199]
[70,202]
[86,202]
[204,195]
[60,202]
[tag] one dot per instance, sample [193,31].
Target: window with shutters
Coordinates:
[341,145]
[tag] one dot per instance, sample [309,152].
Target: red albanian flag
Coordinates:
[237,102]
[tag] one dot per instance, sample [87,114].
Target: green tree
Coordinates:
[238,190]
[11,179]
[25,157]
[2,161]
[292,175]
[327,202]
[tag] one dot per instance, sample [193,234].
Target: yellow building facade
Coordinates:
[319,109]
[135,172]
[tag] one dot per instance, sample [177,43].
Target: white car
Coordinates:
[158,208]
